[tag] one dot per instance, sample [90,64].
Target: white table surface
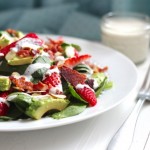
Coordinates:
[92,134]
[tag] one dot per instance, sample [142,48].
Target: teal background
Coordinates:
[79,18]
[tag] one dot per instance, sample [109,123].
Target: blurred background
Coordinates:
[79,18]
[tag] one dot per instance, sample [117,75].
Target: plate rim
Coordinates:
[88,116]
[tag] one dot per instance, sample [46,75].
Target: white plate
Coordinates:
[121,71]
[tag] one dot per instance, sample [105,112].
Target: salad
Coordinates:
[46,78]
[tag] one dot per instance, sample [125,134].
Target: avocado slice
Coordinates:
[5,83]
[5,39]
[39,107]
[20,61]
[4,42]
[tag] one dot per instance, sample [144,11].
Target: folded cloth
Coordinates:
[82,25]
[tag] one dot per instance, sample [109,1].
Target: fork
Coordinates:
[123,138]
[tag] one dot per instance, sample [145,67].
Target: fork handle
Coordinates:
[122,140]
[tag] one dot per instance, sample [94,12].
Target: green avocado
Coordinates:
[4,42]
[5,83]
[5,39]
[39,107]
[20,61]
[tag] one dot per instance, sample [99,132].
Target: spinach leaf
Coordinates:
[69,111]
[75,94]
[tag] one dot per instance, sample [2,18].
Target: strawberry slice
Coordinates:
[7,48]
[3,109]
[73,61]
[52,80]
[87,94]
[72,76]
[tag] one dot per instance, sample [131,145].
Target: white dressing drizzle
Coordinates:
[81,86]
[54,90]
[4,101]
[26,42]
[50,71]
[95,84]
[1,54]
[59,58]
[11,97]
[34,67]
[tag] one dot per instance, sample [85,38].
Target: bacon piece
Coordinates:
[40,86]
[72,76]
[22,84]
[54,46]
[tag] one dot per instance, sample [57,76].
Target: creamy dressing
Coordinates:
[44,54]
[59,58]
[26,42]
[50,71]
[81,86]
[4,101]
[1,54]
[28,77]
[128,35]
[70,52]
[54,90]
[95,84]
[11,97]
[7,36]
[34,67]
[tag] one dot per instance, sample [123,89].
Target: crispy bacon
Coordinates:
[96,68]
[24,53]
[22,84]
[54,45]
[40,86]
[13,32]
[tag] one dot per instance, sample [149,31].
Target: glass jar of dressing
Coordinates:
[127,33]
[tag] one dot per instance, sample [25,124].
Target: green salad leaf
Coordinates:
[69,111]
[75,94]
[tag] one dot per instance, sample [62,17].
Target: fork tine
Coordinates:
[146,79]
[148,88]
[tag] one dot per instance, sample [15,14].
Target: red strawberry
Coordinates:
[3,109]
[4,94]
[73,61]
[52,80]
[3,106]
[87,94]
[76,53]
[72,76]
